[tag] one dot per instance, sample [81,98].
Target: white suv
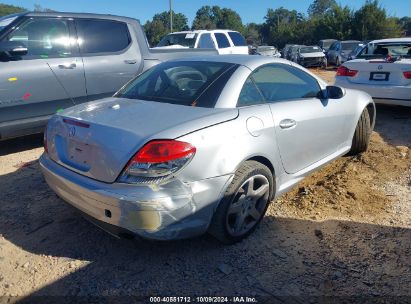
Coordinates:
[224,41]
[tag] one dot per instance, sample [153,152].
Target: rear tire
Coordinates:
[362,134]
[244,203]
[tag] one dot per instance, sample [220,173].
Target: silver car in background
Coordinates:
[311,56]
[200,145]
[340,51]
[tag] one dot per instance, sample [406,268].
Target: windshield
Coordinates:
[326,44]
[184,39]
[5,21]
[310,49]
[382,50]
[182,83]
[349,46]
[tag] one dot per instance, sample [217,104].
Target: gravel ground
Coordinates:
[344,231]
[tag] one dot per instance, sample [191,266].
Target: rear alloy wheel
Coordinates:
[244,204]
[362,134]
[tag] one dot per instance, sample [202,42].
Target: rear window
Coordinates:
[222,40]
[180,82]
[183,39]
[237,39]
[102,36]
[350,46]
[382,50]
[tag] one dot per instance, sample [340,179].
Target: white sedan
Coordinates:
[382,69]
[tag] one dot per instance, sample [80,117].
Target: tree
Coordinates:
[283,26]
[6,9]
[160,26]
[205,18]
[371,22]
[405,23]
[320,7]
[335,23]
[208,18]
[251,33]
[229,19]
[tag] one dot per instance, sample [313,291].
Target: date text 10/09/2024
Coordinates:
[207,299]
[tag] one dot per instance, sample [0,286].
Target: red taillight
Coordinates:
[159,151]
[46,150]
[157,161]
[344,71]
[407,74]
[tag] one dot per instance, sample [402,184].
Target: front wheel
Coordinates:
[244,204]
[362,134]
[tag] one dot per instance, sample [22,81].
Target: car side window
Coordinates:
[222,40]
[280,82]
[249,94]
[102,36]
[206,42]
[332,47]
[43,38]
[237,39]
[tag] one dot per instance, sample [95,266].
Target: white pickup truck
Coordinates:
[224,41]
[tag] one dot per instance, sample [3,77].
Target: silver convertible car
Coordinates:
[201,145]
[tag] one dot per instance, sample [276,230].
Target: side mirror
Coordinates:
[13,48]
[332,92]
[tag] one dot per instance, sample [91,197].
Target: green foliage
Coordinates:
[371,22]
[251,33]
[320,7]
[6,9]
[405,24]
[208,18]
[160,26]
[283,26]
[336,23]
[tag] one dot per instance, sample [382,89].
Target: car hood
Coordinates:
[97,139]
[313,55]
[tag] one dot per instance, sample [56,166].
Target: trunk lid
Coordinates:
[379,71]
[97,139]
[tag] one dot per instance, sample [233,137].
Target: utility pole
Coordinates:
[171,15]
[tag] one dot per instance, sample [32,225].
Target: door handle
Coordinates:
[67,66]
[130,61]
[287,123]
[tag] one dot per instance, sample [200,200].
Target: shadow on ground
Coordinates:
[285,256]
[394,124]
[21,144]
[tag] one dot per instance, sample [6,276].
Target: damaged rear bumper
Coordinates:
[174,210]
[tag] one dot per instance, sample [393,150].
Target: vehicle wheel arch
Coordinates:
[373,113]
[266,162]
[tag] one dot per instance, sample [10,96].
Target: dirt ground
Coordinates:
[344,231]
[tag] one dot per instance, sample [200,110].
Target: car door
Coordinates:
[223,45]
[47,78]
[110,59]
[307,128]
